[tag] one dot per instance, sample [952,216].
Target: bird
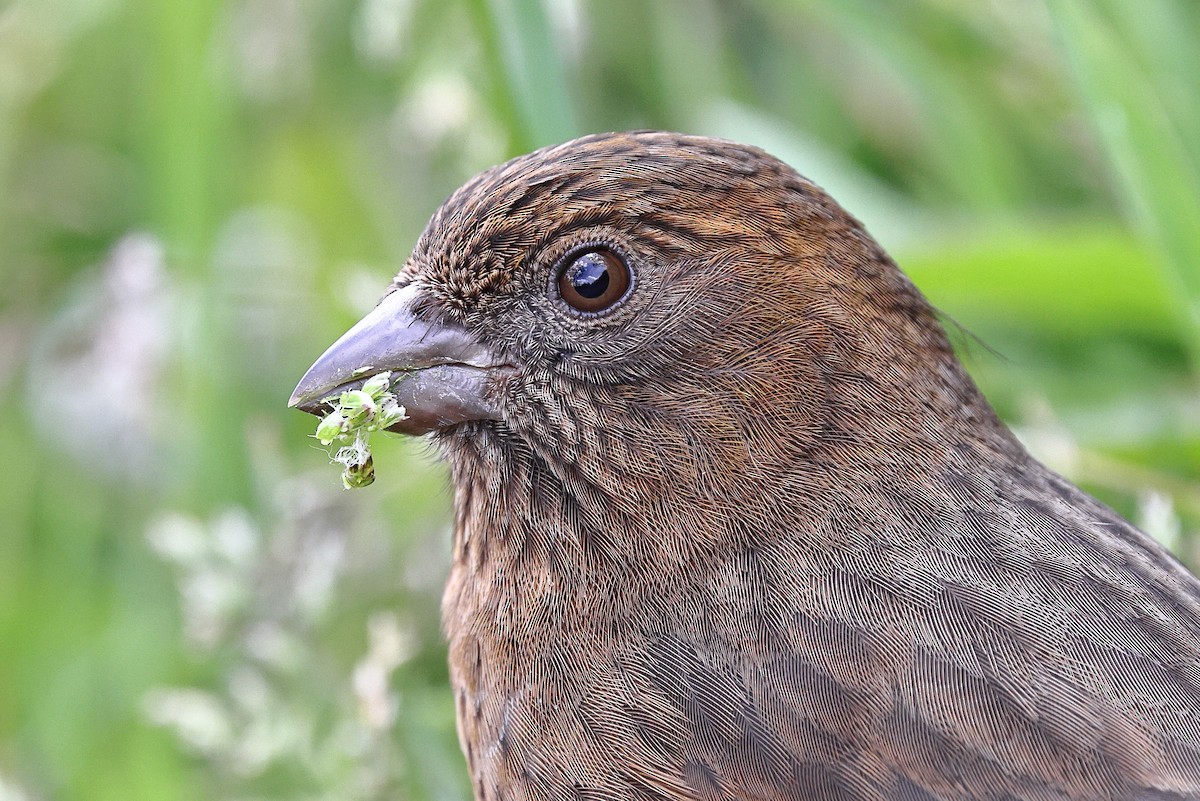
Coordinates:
[731,519]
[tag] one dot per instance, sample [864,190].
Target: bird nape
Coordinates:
[732,521]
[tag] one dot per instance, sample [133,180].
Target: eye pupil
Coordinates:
[593,281]
[589,276]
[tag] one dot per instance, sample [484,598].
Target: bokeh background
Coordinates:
[197,196]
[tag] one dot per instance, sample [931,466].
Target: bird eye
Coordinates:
[593,281]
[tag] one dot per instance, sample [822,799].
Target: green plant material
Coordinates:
[531,94]
[1063,281]
[358,468]
[1145,136]
[358,414]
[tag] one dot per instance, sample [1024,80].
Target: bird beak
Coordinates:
[444,373]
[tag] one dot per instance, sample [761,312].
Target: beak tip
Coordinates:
[305,394]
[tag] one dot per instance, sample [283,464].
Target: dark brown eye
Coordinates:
[594,281]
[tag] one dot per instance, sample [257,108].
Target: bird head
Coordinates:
[629,318]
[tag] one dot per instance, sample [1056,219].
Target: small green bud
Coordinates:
[390,413]
[332,427]
[357,476]
[377,385]
[358,407]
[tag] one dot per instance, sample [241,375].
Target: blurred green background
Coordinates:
[197,196]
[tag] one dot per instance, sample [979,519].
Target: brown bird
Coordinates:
[732,521]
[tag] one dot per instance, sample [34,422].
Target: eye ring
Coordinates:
[594,280]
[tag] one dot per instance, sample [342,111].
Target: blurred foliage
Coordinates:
[198,196]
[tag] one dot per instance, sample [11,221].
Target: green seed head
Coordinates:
[356,415]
